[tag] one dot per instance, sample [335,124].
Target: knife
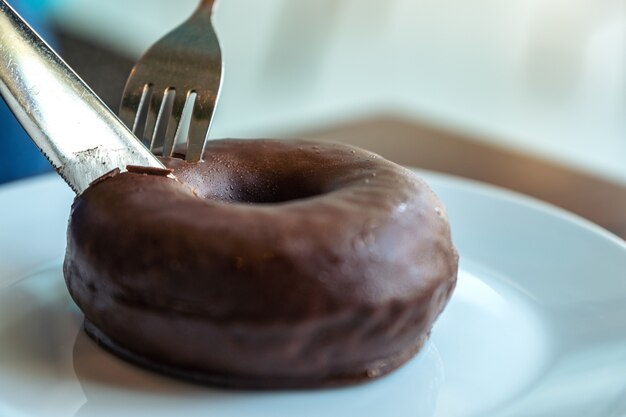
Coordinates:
[70,125]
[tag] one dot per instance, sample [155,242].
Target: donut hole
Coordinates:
[253,187]
[263,172]
[268,189]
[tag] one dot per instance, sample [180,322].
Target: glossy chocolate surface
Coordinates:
[269,264]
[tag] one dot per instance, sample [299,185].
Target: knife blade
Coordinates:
[70,125]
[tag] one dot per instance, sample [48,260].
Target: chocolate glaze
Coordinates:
[269,264]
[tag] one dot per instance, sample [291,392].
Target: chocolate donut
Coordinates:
[270,264]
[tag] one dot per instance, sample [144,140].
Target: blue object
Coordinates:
[19,157]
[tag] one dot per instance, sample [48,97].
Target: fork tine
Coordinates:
[139,124]
[163,119]
[133,102]
[174,126]
[182,135]
[152,115]
[199,126]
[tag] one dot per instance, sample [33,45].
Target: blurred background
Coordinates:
[530,94]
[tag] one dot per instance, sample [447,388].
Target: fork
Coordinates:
[171,93]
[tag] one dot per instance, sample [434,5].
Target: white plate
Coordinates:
[536,327]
